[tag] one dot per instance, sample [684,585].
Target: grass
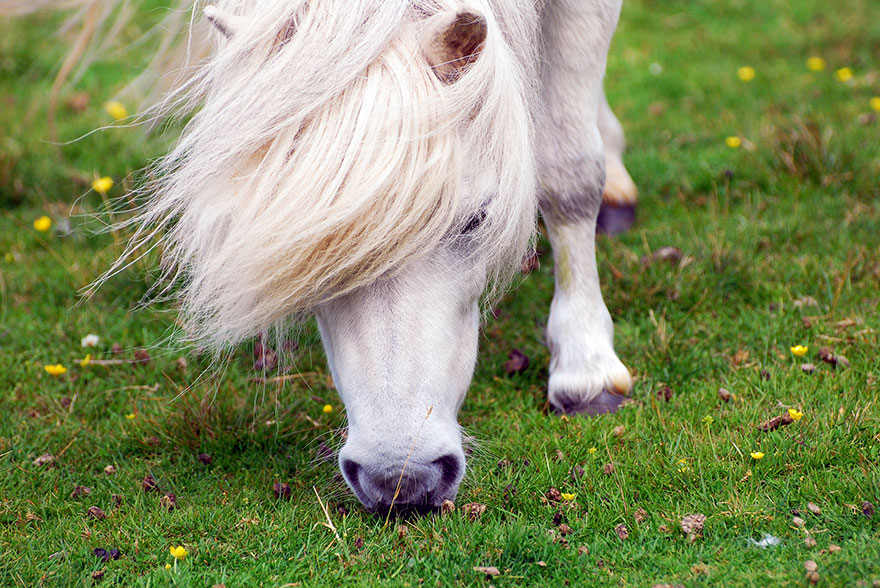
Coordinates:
[780,247]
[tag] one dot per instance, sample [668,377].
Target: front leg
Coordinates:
[585,373]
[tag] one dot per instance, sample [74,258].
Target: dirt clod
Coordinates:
[117,500]
[809,541]
[813,577]
[798,521]
[96,513]
[867,509]
[808,368]
[141,356]
[583,550]
[814,508]
[488,570]
[65,402]
[447,507]
[811,566]
[833,548]
[640,515]
[149,484]
[619,431]
[282,490]
[564,529]
[474,510]
[517,363]
[116,348]
[110,470]
[608,469]
[553,495]
[205,458]
[724,394]
[97,574]
[622,532]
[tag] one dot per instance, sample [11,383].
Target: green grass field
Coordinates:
[780,246]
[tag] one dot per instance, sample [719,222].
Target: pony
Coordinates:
[378,164]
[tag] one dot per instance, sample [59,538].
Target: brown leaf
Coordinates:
[619,431]
[608,469]
[488,570]
[282,490]
[474,510]
[169,501]
[517,363]
[583,550]
[47,459]
[530,262]
[640,515]
[110,470]
[692,525]
[664,394]
[622,531]
[79,491]
[553,495]
[96,513]
[780,421]
[564,529]
[149,484]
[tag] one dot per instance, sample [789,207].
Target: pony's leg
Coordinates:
[585,373]
[618,212]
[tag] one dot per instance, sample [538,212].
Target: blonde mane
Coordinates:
[323,154]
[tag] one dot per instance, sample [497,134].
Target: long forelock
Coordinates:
[324,155]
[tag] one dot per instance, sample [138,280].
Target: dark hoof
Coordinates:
[605,402]
[614,219]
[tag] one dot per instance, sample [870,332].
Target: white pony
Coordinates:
[378,163]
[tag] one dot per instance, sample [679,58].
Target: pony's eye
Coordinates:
[474,222]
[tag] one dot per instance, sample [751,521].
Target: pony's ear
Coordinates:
[452,42]
[226,24]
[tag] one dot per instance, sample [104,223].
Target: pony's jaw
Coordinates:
[402,354]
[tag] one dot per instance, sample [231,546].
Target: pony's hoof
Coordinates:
[614,219]
[605,402]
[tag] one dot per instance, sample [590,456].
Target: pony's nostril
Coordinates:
[450,470]
[351,469]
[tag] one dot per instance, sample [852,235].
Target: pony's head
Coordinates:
[370,163]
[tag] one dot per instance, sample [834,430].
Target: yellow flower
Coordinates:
[757,455]
[328,408]
[795,414]
[815,63]
[116,110]
[746,73]
[844,74]
[56,370]
[799,350]
[592,450]
[103,185]
[167,566]
[86,360]
[708,420]
[566,496]
[733,142]
[43,224]
[130,416]
[9,257]
[875,103]
[178,552]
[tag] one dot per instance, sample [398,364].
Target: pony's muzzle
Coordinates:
[419,487]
